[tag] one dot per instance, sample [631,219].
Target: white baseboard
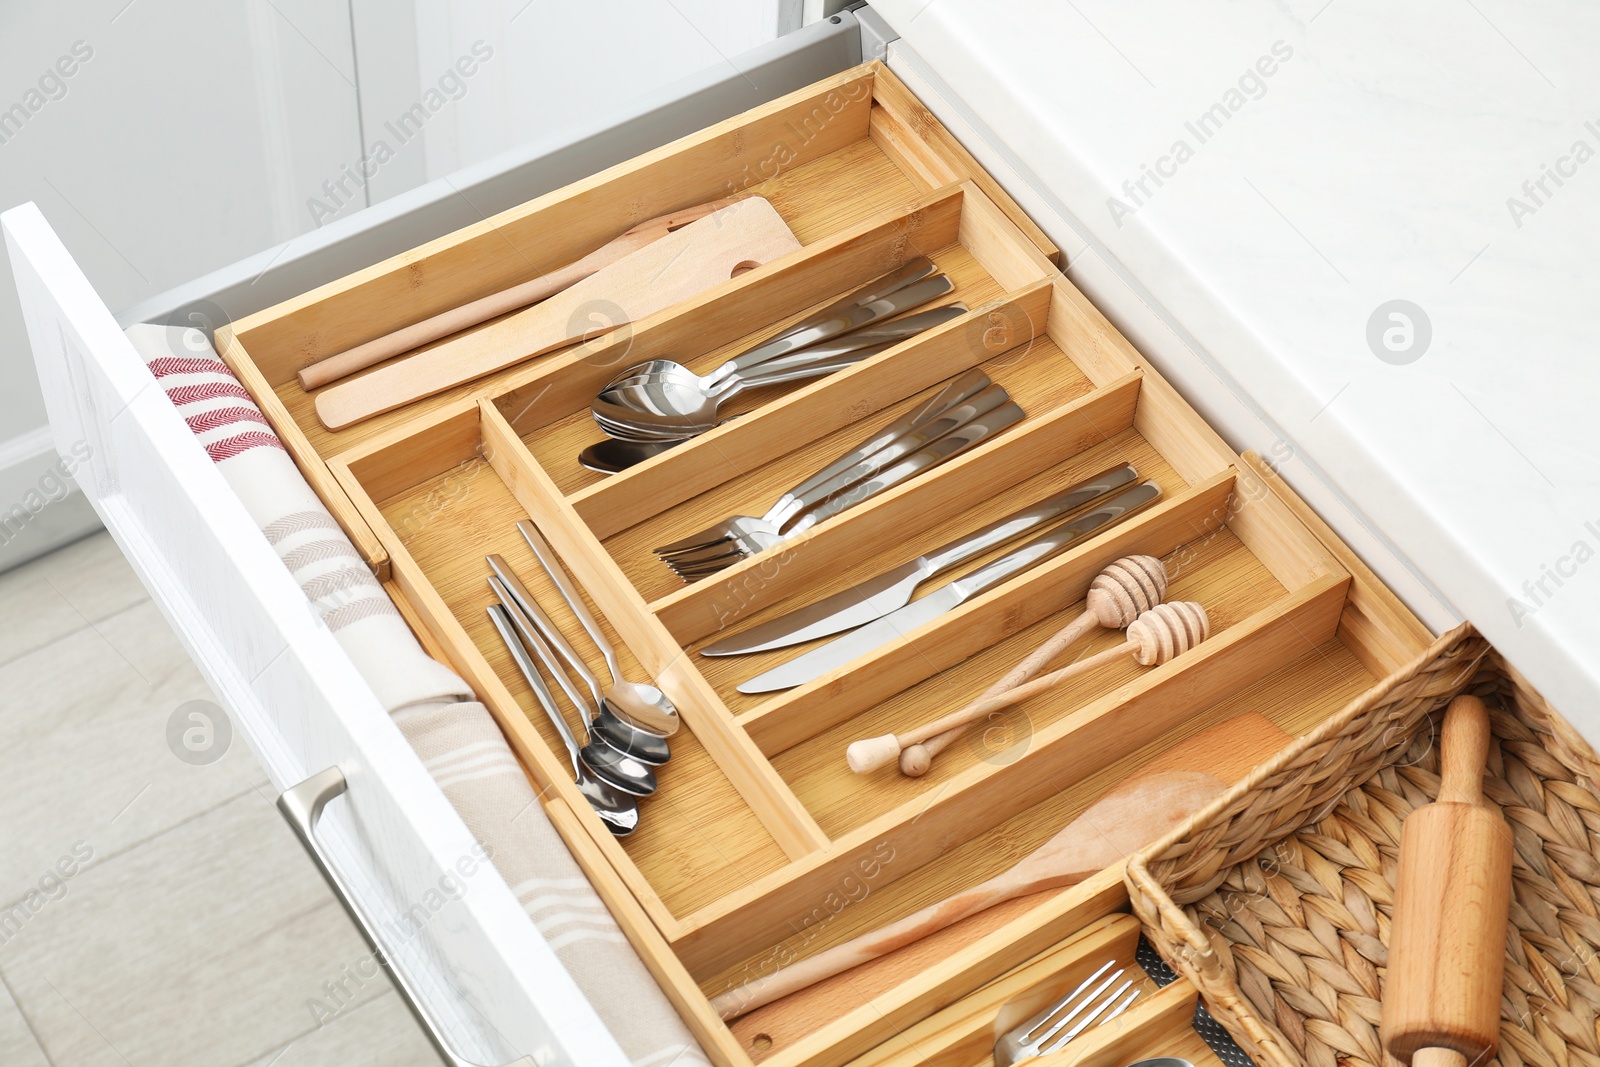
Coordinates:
[39,509]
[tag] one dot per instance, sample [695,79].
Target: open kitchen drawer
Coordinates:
[761,846]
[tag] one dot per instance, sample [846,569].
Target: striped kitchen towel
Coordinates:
[450,730]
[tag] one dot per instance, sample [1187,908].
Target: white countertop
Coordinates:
[1382,158]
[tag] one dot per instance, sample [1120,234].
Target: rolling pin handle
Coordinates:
[1438,1057]
[1464,751]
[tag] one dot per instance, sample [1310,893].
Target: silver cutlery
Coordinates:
[641,704]
[837,495]
[618,810]
[866,305]
[672,403]
[606,722]
[614,767]
[740,536]
[1068,1017]
[1162,1061]
[864,639]
[892,589]
[951,396]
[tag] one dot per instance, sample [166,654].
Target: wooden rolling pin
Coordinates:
[485,308]
[1447,945]
[1123,821]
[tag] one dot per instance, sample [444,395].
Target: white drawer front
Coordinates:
[487,977]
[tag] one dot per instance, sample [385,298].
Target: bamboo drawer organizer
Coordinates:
[761,846]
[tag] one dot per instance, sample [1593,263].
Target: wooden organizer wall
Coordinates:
[761,845]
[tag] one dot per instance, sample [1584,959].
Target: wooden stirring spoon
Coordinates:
[483,309]
[1119,823]
[1156,637]
[1122,592]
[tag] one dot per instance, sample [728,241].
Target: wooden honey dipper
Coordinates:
[1157,636]
[1127,588]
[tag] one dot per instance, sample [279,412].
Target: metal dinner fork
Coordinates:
[1067,1018]
[961,416]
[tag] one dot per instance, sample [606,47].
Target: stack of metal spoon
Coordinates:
[626,723]
[655,405]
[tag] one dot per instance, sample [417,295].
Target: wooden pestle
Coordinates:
[1447,944]
[1157,636]
[362,356]
[1127,588]
[1119,823]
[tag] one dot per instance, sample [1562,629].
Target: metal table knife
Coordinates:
[841,650]
[892,589]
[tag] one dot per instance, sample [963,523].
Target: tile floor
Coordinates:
[153,910]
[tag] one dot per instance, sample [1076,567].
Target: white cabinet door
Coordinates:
[486,976]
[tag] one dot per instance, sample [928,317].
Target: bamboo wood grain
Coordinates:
[768,796]
[654,951]
[723,159]
[682,264]
[1116,825]
[1452,900]
[1043,439]
[863,179]
[1157,1024]
[1118,595]
[488,307]
[804,415]
[805,711]
[1156,637]
[1376,625]
[851,1012]
[979,796]
[963,1034]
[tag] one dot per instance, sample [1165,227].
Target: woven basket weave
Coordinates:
[1275,900]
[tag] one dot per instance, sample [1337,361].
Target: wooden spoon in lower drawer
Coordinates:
[1119,823]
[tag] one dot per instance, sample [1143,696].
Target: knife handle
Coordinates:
[957,392]
[1057,540]
[890,294]
[944,448]
[860,344]
[1019,523]
[895,452]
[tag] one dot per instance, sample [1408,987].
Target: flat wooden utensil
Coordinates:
[678,266]
[1230,750]
[1447,945]
[494,305]
[1123,821]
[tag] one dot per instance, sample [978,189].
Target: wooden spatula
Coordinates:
[1121,822]
[674,268]
[375,351]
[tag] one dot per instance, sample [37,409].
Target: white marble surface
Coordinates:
[1375,163]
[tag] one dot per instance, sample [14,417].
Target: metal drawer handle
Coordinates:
[302,806]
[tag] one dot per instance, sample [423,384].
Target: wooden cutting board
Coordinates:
[682,264]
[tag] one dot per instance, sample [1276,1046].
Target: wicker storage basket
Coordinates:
[1275,901]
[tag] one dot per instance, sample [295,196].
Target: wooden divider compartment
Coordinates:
[831,157]
[761,846]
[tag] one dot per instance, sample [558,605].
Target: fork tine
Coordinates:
[1050,1043]
[1077,1000]
[704,539]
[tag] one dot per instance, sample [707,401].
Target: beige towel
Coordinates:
[454,735]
